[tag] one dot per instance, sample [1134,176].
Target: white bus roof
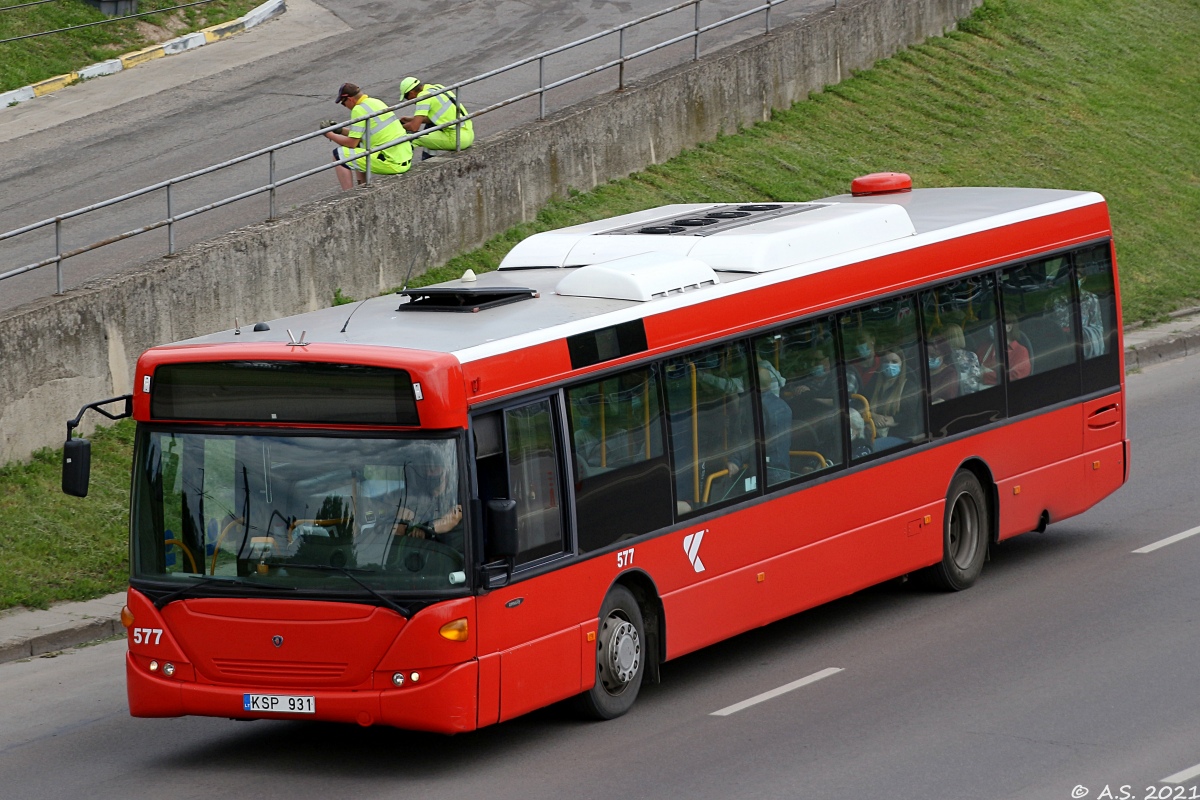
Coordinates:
[614,269]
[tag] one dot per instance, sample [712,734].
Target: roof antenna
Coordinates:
[352,313]
[407,275]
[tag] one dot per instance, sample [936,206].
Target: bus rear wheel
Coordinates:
[620,657]
[965,534]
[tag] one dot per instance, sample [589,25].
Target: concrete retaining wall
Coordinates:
[61,352]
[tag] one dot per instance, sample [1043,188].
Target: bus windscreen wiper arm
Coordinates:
[162,601]
[399,609]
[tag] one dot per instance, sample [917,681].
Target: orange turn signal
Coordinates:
[455,631]
[126,617]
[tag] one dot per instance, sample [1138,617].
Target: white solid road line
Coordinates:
[1150,548]
[759,698]
[1182,777]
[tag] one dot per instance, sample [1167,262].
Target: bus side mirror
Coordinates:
[501,529]
[76,467]
[77,453]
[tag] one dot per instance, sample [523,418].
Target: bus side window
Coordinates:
[961,331]
[1040,358]
[517,458]
[714,458]
[800,401]
[530,436]
[622,479]
[1098,316]
[882,348]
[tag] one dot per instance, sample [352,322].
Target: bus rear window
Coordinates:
[246,391]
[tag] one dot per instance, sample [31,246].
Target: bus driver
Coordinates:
[430,507]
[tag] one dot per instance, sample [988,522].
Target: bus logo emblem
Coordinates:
[691,546]
[277,640]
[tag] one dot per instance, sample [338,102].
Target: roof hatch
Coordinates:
[457,298]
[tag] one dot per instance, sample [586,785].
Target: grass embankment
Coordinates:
[28,61]
[1083,94]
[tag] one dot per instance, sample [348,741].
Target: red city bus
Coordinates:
[638,437]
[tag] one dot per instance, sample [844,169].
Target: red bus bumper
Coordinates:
[446,703]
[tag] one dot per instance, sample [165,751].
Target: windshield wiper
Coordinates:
[399,609]
[207,579]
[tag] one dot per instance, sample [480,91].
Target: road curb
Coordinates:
[26,633]
[1177,338]
[214,33]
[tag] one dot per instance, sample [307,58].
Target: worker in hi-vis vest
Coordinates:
[384,128]
[435,109]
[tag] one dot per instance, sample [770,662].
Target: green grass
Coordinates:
[31,60]
[1074,94]
[54,547]
[1077,94]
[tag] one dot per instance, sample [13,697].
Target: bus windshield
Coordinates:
[309,513]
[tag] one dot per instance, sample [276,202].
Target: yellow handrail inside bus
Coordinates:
[868,420]
[221,538]
[191,559]
[811,454]
[721,473]
[695,435]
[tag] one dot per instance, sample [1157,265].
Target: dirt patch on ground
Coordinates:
[163,29]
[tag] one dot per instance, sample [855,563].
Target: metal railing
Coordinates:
[274,182]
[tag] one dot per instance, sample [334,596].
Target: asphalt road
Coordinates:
[1072,663]
[120,133]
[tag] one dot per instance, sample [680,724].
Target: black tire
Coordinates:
[965,534]
[620,657]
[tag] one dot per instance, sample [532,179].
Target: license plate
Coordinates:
[280,703]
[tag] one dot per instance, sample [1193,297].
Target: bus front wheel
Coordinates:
[620,657]
[965,534]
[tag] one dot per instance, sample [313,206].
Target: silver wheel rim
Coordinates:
[964,530]
[620,653]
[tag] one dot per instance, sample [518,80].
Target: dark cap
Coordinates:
[347,90]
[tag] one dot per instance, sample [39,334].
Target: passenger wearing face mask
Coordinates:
[943,377]
[811,398]
[893,399]
[866,361]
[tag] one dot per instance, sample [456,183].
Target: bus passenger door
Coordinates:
[529,632]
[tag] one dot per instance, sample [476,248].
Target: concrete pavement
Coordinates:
[304,22]
[26,633]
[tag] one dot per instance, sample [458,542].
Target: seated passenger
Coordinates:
[989,360]
[943,377]
[965,362]
[860,445]
[777,419]
[894,399]
[1019,363]
[866,363]
[811,397]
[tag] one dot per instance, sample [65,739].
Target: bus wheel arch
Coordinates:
[967,532]
[646,593]
[983,473]
[627,644]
